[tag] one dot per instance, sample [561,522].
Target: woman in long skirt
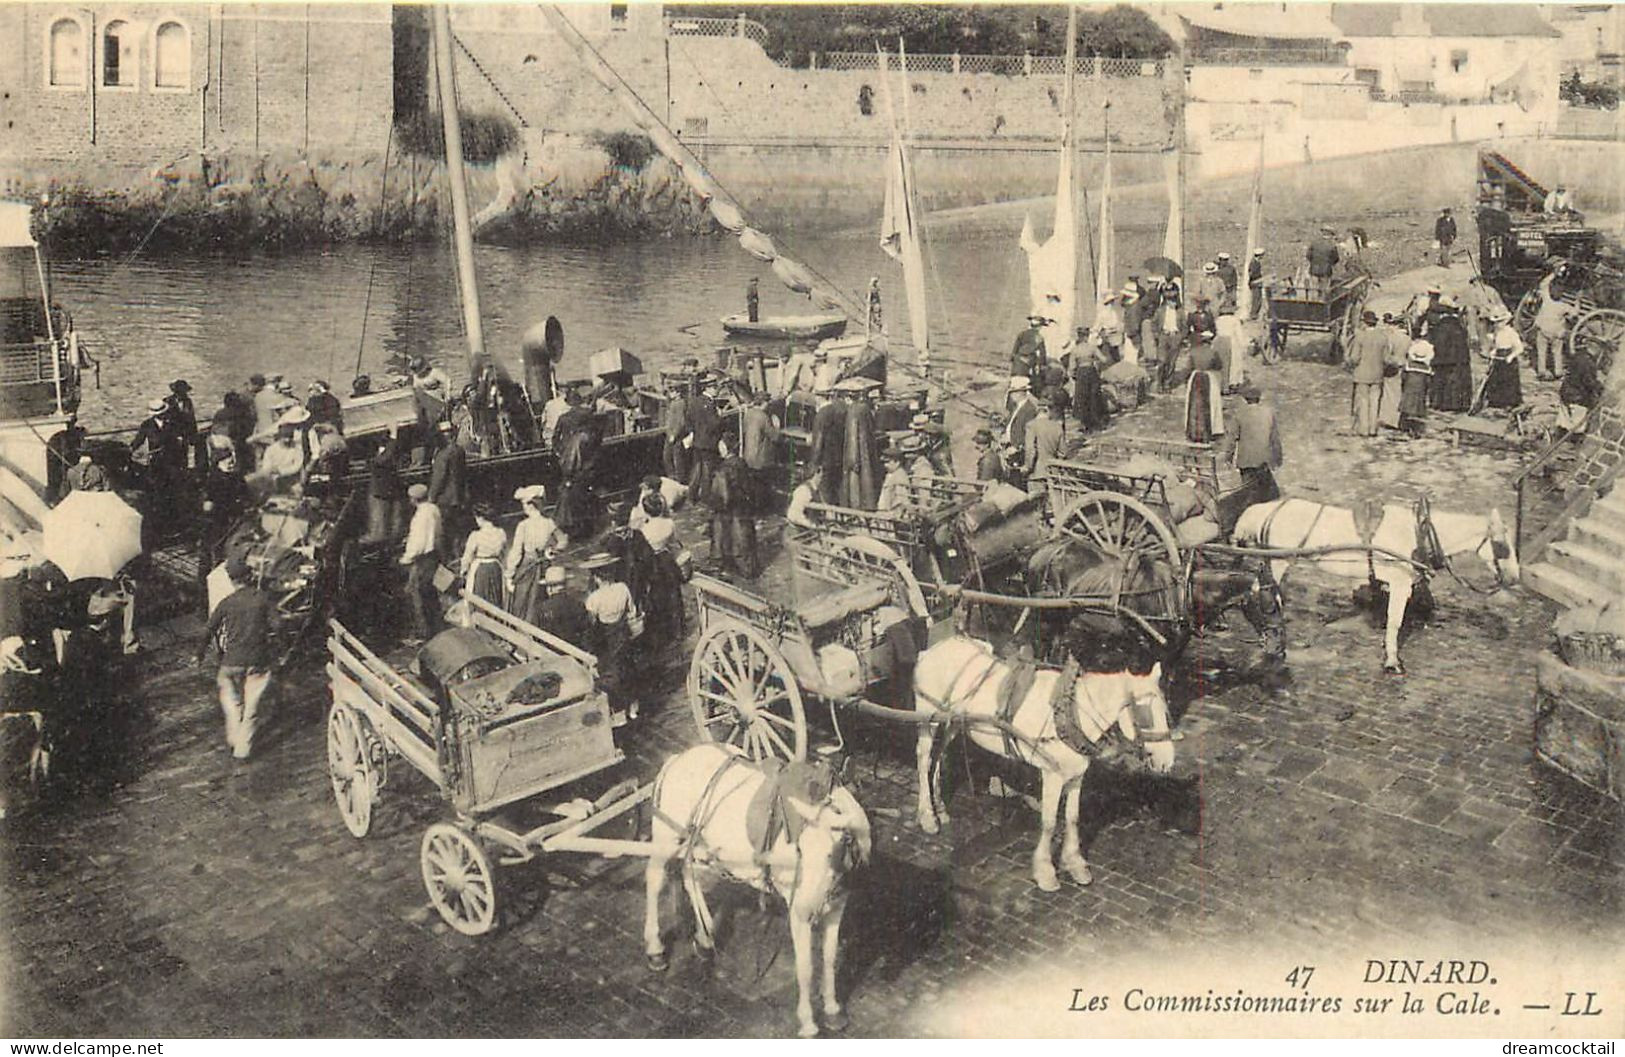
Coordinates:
[1204,409]
[1413,389]
[482,557]
[663,585]
[1452,385]
[1504,387]
[535,540]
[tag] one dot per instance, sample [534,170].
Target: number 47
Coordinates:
[1299,976]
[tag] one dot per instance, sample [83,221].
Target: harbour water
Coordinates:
[334,314]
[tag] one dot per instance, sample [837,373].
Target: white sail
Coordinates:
[1173,240]
[1108,234]
[1057,272]
[900,224]
[1255,226]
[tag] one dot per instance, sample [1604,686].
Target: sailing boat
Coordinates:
[1059,277]
[900,218]
[496,411]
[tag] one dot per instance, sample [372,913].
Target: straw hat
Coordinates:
[1020,383]
[554,577]
[601,560]
[418,491]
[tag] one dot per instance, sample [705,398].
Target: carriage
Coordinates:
[1290,309]
[496,714]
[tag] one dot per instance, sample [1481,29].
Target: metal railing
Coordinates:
[1093,67]
[31,363]
[717,27]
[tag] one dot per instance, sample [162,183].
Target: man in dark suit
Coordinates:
[828,447]
[448,490]
[1444,233]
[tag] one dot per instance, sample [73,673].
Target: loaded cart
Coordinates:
[495,714]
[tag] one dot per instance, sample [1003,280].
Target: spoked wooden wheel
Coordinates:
[350,766]
[1143,546]
[743,693]
[1523,317]
[460,879]
[1599,332]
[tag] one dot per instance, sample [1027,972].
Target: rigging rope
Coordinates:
[372,270]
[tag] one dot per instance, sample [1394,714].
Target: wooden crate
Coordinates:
[1580,724]
[509,753]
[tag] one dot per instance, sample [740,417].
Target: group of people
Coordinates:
[1405,366]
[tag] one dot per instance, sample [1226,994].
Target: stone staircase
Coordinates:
[1586,565]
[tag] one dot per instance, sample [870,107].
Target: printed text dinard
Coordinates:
[1440,988]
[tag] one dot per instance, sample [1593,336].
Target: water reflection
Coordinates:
[336,313]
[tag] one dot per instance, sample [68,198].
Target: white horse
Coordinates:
[701,801]
[1300,524]
[962,676]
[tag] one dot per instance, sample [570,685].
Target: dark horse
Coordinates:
[1154,590]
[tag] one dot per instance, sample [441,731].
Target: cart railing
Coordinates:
[523,635]
[939,497]
[901,530]
[1071,479]
[400,712]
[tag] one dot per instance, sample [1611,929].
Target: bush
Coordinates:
[486,137]
[628,150]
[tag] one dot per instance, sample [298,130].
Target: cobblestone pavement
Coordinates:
[188,895]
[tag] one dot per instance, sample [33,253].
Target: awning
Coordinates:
[14,218]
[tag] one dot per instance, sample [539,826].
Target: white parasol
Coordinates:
[91,535]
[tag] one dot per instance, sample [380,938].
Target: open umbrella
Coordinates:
[1163,267]
[91,535]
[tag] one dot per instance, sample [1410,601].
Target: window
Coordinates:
[172,56]
[67,56]
[617,16]
[1458,59]
[1255,74]
[118,55]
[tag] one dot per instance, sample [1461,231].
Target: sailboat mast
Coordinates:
[462,227]
[1069,144]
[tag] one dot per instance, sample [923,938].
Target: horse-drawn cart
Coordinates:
[498,712]
[756,661]
[1291,309]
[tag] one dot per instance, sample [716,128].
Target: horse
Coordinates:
[1302,524]
[707,803]
[960,679]
[1148,586]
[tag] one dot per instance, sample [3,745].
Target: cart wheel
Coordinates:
[1523,317]
[1126,528]
[460,879]
[743,693]
[1599,332]
[350,766]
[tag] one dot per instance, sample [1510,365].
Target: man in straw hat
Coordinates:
[419,556]
[557,612]
[1023,409]
[1367,354]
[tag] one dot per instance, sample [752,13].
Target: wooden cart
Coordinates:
[756,662]
[500,712]
[1291,310]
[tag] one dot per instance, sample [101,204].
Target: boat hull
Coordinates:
[786,328]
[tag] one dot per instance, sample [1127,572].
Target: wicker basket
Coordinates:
[1595,651]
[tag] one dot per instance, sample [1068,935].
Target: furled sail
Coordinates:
[900,224]
[1108,233]
[1255,232]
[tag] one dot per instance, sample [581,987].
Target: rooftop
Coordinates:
[1441,20]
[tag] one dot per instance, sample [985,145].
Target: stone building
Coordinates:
[144,84]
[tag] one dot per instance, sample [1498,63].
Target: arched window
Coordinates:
[66,62]
[172,56]
[118,55]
